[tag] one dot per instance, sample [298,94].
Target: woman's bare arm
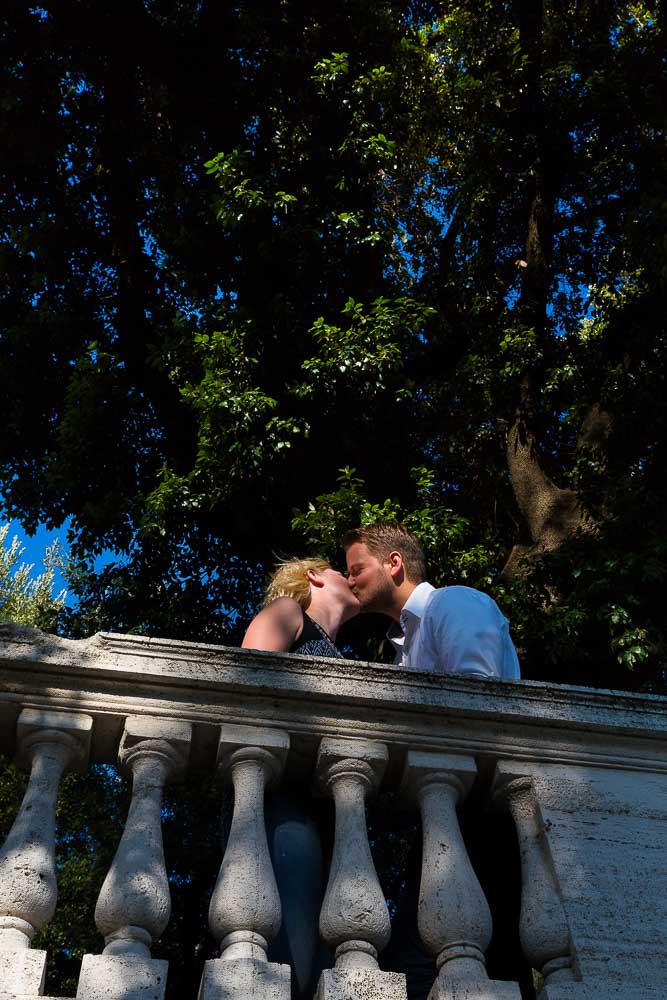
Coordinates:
[276,627]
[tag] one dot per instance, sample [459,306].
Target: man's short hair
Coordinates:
[290,579]
[390,536]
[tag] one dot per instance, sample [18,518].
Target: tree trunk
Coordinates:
[551,514]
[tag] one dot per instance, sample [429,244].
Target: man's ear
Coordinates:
[395,562]
[314,578]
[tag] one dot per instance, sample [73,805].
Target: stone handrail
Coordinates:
[582,772]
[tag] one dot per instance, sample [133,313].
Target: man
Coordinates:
[452,630]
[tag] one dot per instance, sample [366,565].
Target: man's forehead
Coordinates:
[357,552]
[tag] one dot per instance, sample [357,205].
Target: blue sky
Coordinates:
[36,544]
[34,547]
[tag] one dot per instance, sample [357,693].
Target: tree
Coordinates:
[546,278]
[427,251]
[26,599]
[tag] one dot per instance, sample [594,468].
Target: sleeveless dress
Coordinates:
[314,641]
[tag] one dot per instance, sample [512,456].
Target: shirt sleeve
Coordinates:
[465,633]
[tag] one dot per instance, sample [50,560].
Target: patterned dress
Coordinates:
[314,641]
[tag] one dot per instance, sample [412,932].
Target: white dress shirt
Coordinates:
[454,630]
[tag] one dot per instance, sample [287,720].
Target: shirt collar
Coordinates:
[411,613]
[417,601]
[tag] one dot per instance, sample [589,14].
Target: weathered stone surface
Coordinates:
[354,919]
[606,831]
[121,977]
[239,737]
[25,996]
[22,970]
[454,918]
[597,759]
[75,725]
[245,912]
[360,984]
[111,676]
[601,990]
[244,979]
[140,728]
[419,764]
[331,751]
[47,742]
[543,927]
[486,989]
[134,904]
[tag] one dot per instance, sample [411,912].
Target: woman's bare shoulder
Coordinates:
[284,607]
[276,627]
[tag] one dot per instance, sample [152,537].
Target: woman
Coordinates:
[305,604]
[296,587]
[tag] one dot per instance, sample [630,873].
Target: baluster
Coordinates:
[245,914]
[47,743]
[134,904]
[543,928]
[454,918]
[354,919]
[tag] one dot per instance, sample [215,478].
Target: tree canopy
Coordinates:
[26,598]
[272,269]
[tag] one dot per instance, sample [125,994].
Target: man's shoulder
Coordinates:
[459,596]
[458,592]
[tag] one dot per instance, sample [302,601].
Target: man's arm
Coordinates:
[276,627]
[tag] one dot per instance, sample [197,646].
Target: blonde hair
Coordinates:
[290,579]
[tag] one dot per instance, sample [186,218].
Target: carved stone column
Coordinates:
[454,918]
[245,914]
[354,920]
[47,743]
[134,904]
[545,935]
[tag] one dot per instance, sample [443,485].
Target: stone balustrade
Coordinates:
[582,773]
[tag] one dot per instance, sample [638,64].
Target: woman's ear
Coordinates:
[314,578]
